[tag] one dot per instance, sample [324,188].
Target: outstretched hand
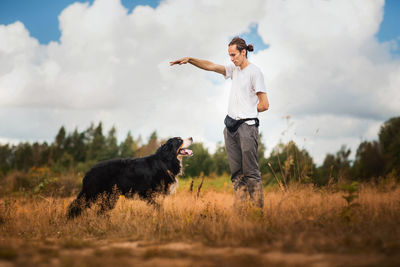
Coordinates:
[179,61]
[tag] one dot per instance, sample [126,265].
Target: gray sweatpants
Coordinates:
[241,147]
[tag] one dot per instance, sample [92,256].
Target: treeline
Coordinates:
[78,151]
[74,151]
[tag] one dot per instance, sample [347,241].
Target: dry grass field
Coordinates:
[302,226]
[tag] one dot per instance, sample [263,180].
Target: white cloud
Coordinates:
[323,67]
[326,69]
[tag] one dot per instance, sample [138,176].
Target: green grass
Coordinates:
[215,183]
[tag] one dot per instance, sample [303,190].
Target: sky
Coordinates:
[331,68]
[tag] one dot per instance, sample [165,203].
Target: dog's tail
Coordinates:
[76,207]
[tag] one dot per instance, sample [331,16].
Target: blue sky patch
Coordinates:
[390,26]
[252,37]
[41,17]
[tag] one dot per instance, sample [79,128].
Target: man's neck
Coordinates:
[244,64]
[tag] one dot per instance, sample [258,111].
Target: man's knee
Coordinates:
[250,165]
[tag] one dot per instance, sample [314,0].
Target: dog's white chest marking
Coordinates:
[174,185]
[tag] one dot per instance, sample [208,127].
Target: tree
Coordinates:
[41,154]
[334,167]
[77,147]
[201,162]
[111,149]
[389,139]
[58,147]
[23,156]
[262,161]
[151,146]
[369,161]
[5,158]
[60,138]
[220,160]
[343,162]
[327,171]
[96,146]
[128,147]
[290,164]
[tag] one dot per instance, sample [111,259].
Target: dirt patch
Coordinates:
[107,253]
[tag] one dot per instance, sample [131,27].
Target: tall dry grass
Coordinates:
[302,219]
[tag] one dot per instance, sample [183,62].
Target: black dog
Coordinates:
[143,176]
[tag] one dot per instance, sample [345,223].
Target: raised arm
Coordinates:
[200,63]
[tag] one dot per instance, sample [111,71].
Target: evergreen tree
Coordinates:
[128,147]
[77,148]
[45,154]
[111,146]
[389,139]
[60,138]
[40,153]
[58,147]
[5,159]
[89,134]
[152,145]
[97,145]
[23,157]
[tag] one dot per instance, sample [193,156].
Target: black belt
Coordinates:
[232,125]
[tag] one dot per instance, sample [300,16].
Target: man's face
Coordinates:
[237,57]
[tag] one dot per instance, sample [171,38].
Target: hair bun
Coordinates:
[250,48]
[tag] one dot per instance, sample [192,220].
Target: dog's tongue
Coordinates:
[186,152]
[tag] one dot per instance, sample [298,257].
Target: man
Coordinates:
[247,98]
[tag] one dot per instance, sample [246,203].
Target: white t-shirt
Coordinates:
[246,84]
